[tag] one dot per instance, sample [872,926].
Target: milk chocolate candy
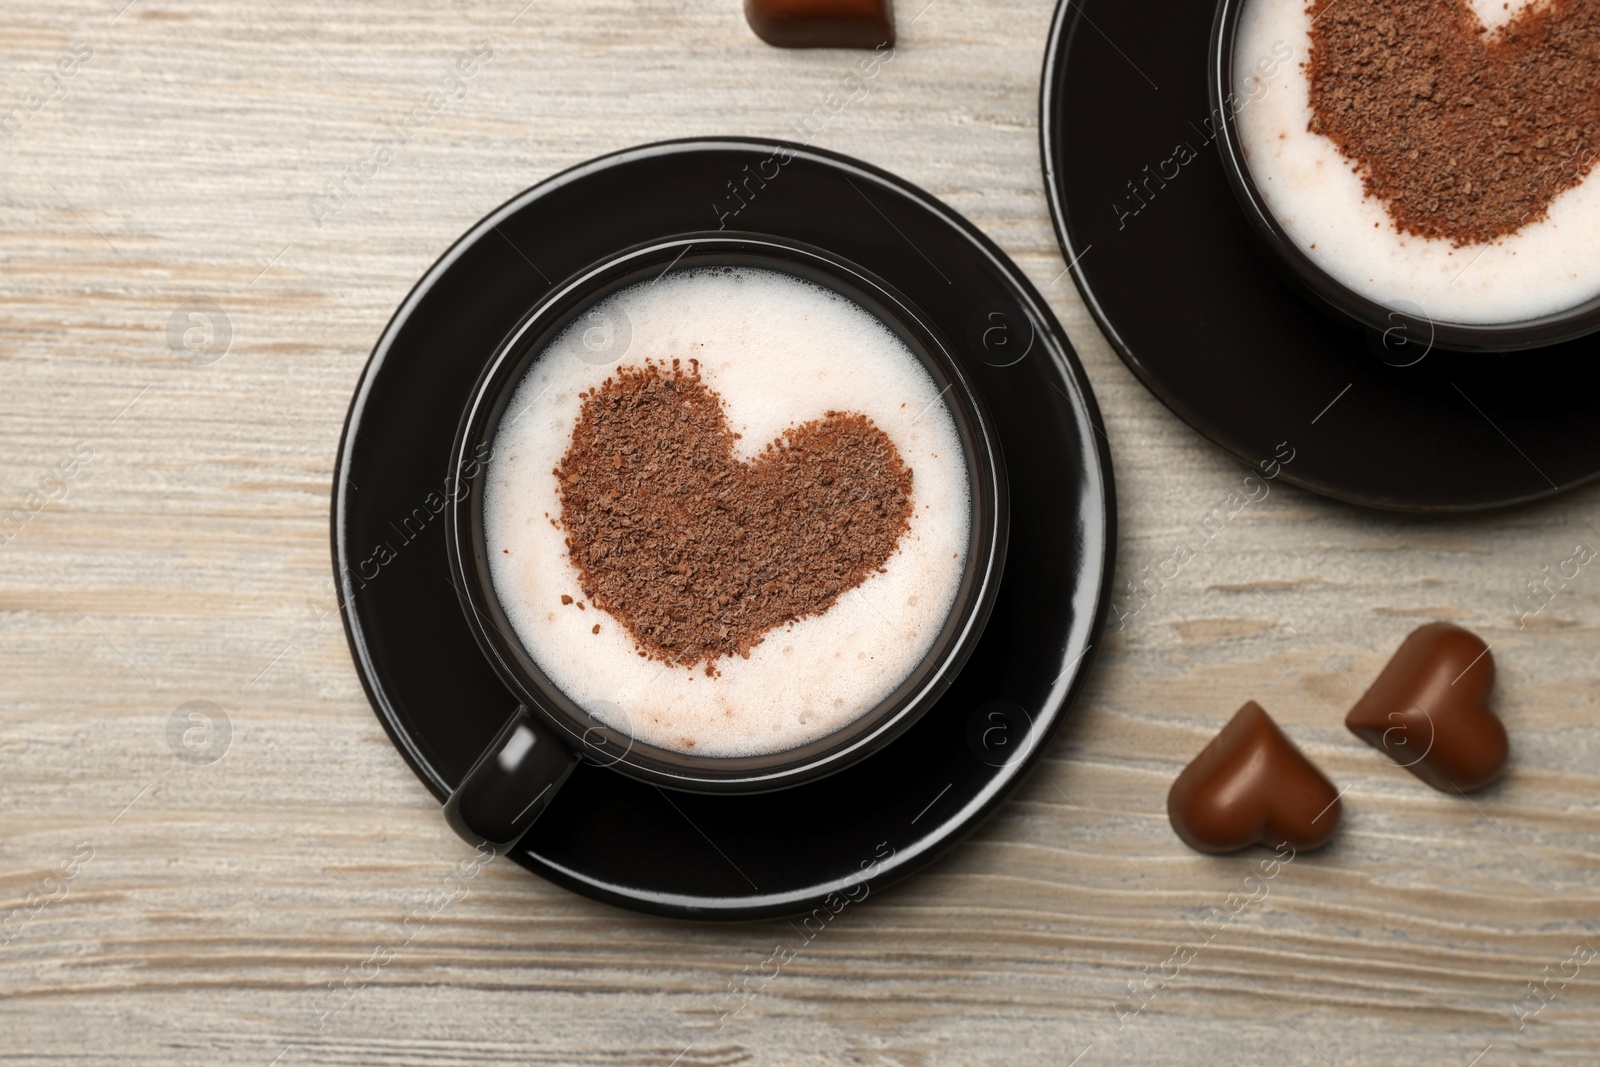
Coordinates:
[822,23]
[1429,710]
[1252,786]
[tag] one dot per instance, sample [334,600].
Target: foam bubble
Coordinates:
[781,351]
[1548,266]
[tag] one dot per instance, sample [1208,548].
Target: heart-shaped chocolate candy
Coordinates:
[1464,134]
[699,554]
[1429,709]
[1252,786]
[822,23]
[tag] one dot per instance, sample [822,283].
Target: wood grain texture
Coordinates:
[205,910]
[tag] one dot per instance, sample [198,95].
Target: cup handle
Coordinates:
[511,783]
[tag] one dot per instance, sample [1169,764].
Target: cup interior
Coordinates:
[603,744]
[1399,318]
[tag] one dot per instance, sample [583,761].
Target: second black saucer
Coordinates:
[1166,263]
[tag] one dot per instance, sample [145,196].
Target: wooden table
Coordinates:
[218,161]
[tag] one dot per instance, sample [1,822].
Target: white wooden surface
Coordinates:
[157,911]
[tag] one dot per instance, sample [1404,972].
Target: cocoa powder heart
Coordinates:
[1252,786]
[698,554]
[1464,134]
[1429,710]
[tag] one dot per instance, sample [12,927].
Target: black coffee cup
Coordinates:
[518,774]
[1399,323]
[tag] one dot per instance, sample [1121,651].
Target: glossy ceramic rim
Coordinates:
[1326,289]
[875,728]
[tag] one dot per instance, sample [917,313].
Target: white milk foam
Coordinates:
[1548,266]
[781,352]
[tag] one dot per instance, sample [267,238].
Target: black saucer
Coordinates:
[1208,322]
[696,855]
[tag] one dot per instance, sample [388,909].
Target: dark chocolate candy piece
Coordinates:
[822,23]
[1429,709]
[1252,786]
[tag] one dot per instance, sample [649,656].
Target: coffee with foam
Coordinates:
[1317,195]
[780,352]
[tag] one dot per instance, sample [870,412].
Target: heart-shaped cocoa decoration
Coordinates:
[1429,710]
[1252,786]
[698,554]
[1464,134]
